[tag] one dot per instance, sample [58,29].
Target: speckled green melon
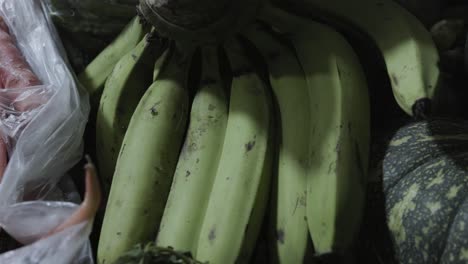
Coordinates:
[425,177]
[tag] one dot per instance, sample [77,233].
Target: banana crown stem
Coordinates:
[198,21]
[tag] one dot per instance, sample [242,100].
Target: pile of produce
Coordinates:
[265,131]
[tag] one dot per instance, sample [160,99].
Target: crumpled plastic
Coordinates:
[43,143]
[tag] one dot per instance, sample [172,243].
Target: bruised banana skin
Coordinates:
[407,47]
[147,162]
[340,135]
[123,89]
[241,165]
[291,92]
[97,71]
[198,161]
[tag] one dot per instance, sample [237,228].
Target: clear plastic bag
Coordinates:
[44,140]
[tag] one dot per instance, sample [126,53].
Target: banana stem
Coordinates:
[198,21]
[237,57]
[190,14]
[279,18]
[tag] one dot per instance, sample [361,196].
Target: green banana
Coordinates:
[159,64]
[123,89]
[97,71]
[241,164]
[292,96]
[198,161]
[256,220]
[339,141]
[147,162]
[408,50]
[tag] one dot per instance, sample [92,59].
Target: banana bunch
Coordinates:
[221,184]
[405,45]
[147,152]
[201,148]
[323,105]
[172,167]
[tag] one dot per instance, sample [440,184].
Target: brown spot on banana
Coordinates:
[250,145]
[212,235]
[154,109]
[280,236]
[394,79]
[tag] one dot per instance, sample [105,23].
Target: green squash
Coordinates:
[425,181]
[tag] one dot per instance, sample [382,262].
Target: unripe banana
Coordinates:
[257,218]
[292,96]
[146,162]
[96,72]
[409,52]
[123,90]
[198,160]
[340,137]
[241,164]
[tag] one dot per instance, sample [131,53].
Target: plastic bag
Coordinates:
[44,142]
